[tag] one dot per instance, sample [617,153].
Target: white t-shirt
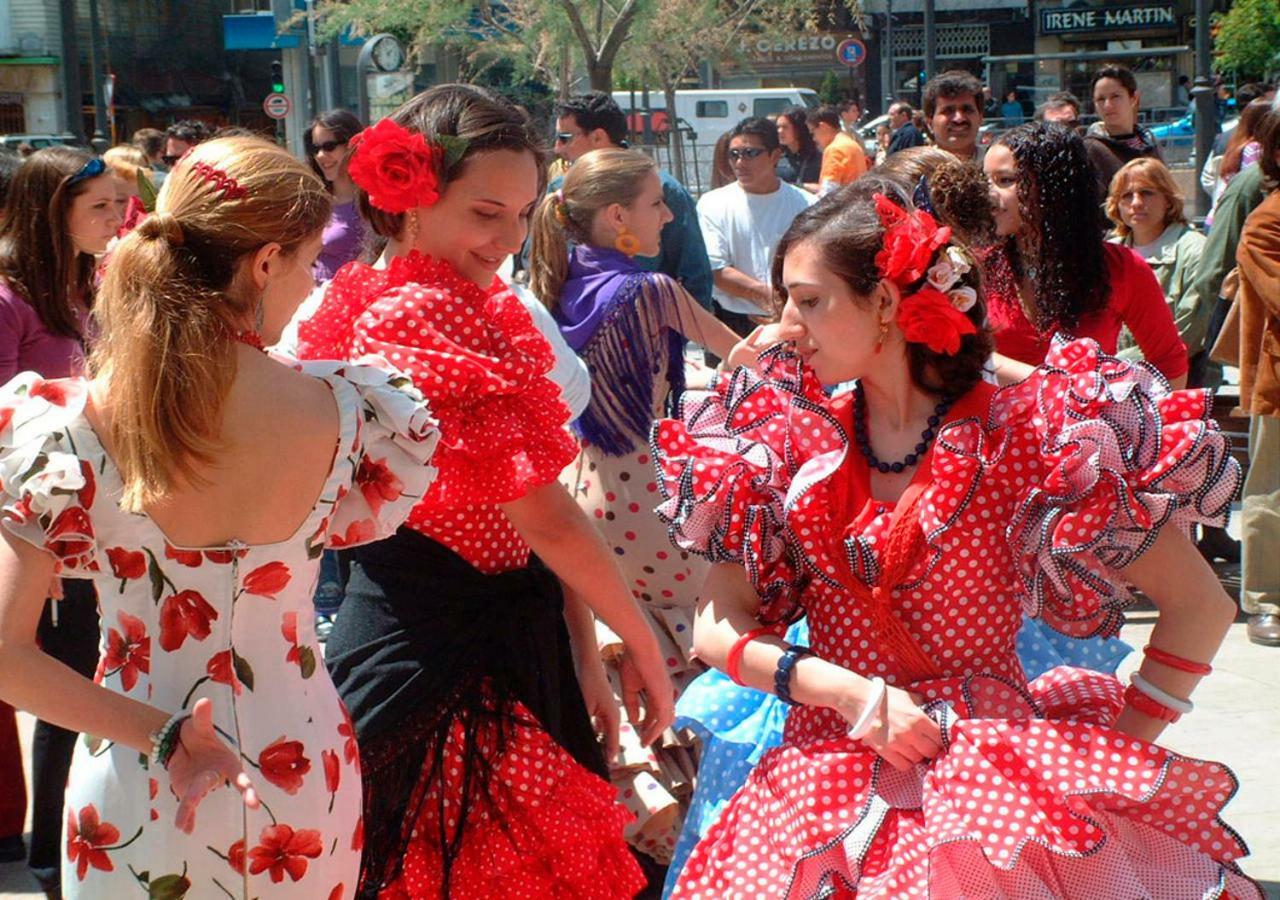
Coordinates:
[742,230]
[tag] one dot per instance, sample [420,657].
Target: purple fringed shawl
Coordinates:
[625,323]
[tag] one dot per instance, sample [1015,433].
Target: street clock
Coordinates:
[386,53]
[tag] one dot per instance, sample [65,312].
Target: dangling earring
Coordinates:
[260,314]
[884,332]
[413,227]
[626,242]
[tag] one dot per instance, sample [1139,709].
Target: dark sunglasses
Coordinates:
[739,153]
[327,147]
[92,169]
[170,161]
[564,137]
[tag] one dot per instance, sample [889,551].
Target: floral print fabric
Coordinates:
[231,623]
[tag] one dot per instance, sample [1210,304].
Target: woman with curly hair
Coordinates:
[801,162]
[1051,271]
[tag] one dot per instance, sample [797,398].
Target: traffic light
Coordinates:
[277,77]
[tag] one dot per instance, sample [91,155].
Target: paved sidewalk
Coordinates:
[1236,721]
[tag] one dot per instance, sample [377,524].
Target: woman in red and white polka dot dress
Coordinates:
[914,520]
[630,326]
[483,776]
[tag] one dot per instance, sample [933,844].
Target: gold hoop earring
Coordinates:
[626,242]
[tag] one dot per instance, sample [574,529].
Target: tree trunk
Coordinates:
[674,135]
[601,75]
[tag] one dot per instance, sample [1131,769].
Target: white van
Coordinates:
[712,112]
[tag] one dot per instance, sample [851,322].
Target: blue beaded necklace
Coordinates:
[864,441]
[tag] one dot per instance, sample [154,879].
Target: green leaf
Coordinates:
[146,191]
[454,149]
[156,577]
[168,887]
[307,661]
[244,671]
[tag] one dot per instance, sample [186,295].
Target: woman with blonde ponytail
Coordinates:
[630,327]
[195,481]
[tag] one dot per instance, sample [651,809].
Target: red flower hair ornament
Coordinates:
[400,169]
[935,314]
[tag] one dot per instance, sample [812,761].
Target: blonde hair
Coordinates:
[595,180]
[1154,173]
[125,161]
[171,302]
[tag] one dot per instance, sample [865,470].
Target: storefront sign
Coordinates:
[815,49]
[1146,17]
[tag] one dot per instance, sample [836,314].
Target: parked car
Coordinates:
[11,142]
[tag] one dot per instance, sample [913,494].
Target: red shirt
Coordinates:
[1136,301]
[482,365]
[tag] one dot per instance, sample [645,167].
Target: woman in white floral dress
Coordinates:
[197,480]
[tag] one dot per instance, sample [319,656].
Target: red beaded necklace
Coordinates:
[251,338]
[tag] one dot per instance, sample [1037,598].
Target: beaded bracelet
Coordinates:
[165,740]
[782,675]
[733,664]
[1173,661]
[1148,707]
[1164,698]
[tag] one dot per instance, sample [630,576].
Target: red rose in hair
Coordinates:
[910,240]
[283,764]
[395,167]
[927,317]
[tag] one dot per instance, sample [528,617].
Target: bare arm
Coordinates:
[1194,615]
[700,326]
[737,283]
[43,686]
[903,736]
[562,536]
[1009,370]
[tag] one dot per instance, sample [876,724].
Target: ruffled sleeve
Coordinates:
[1120,456]
[389,436]
[477,358]
[46,489]
[725,467]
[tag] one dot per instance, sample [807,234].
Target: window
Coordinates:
[770,106]
[712,109]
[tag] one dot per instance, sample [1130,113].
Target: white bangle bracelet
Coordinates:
[869,709]
[1182,707]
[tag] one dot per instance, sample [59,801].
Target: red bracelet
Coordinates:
[734,662]
[1173,661]
[1150,707]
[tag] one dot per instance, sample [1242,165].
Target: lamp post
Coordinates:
[97,61]
[1202,96]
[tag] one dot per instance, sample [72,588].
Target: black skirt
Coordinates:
[423,642]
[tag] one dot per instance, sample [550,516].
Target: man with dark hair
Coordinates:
[1062,108]
[1116,138]
[181,137]
[843,158]
[742,222]
[151,142]
[850,113]
[594,122]
[953,106]
[904,134]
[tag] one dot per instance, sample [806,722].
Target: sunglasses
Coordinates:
[92,169]
[327,147]
[170,161]
[564,137]
[740,153]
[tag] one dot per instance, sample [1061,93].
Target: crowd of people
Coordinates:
[525,599]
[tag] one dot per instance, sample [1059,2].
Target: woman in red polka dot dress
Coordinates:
[630,327]
[913,520]
[483,776]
